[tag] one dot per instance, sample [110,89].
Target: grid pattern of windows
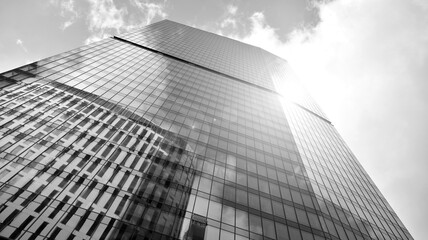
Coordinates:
[116,141]
[74,165]
[343,188]
[224,55]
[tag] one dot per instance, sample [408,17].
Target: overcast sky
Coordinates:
[364,61]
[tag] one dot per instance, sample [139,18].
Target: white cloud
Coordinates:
[20,43]
[262,35]
[366,64]
[228,22]
[105,18]
[150,10]
[67,11]
[231,9]
[66,24]
[229,17]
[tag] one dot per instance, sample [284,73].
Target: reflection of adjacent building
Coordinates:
[158,204]
[196,229]
[87,169]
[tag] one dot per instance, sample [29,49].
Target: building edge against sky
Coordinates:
[170,131]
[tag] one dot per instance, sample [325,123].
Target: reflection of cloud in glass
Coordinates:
[228,215]
[241,219]
[215,210]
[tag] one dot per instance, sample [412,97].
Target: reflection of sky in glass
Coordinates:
[250,177]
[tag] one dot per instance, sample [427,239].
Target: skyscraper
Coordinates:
[170,132]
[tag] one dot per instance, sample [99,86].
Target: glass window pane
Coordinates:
[294,233]
[241,219]
[228,215]
[278,210]
[201,206]
[281,231]
[266,205]
[269,228]
[212,233]
[255,224]
[214,211]
[254,201]
[241,197]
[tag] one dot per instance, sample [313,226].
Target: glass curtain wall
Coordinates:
[170,132]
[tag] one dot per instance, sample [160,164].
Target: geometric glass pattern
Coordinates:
[170,132]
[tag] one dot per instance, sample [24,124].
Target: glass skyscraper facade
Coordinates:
[170,132]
